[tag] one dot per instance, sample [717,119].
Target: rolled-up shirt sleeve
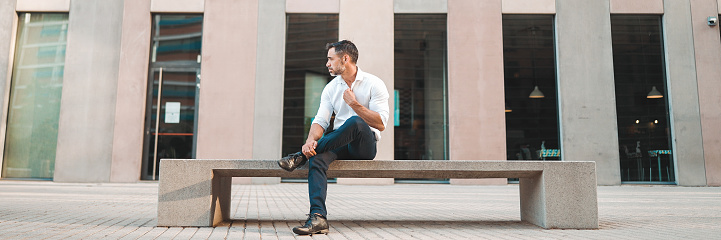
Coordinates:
[325,110]
[379,101]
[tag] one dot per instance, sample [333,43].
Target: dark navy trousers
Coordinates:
[353,140]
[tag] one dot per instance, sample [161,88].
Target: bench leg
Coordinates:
[185,195]
[222,187]
[561,197]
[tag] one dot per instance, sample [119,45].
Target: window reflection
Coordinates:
[641,99]
[305,73]
[34,108]
[530,88]
[177,38]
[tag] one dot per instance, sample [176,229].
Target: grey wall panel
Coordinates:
[42,5]
[586,86]
[708,72]
[177,6]
[267,134]
[87,110]
[683,93]
[269,78]
[132,90]
[420,6]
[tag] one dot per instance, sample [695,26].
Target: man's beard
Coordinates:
[340,70]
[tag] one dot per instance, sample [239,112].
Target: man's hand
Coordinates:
[349,97]
[372,118]
[308,148]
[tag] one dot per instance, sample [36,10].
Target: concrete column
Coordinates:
[477,125]
[8,24]
[589,131]
[270,69]
[708,72]
[683,93]
[131,93]
[227,89]
[87,108]
[373,35]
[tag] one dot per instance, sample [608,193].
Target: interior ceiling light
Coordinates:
[536,93]
[654,93]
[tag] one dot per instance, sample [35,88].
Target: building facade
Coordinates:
[99,91]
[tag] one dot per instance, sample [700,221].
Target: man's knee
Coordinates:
[357,121]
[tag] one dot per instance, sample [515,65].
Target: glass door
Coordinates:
[174,130]
[172,98]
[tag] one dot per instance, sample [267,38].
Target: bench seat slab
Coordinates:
[553,194]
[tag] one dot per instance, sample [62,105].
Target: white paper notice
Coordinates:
[172,112]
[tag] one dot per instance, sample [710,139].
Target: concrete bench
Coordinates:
[557,194]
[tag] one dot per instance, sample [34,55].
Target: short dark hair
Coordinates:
[344,47]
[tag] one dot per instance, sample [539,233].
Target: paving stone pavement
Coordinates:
[48,210]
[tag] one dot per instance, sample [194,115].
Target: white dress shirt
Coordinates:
[370,91]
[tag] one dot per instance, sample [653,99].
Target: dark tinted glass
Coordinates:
[530,88]
[641,99]
[420,95]
[305,73]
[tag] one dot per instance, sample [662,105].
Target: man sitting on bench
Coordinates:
[360,102]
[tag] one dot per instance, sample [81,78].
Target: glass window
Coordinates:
[641,103]
[420,94]
[35,91]
[174,64]
[530,88]
[305,73]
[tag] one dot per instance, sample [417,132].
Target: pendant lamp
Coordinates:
[654,93]
[536,93]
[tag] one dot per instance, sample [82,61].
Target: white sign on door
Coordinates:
[172,112]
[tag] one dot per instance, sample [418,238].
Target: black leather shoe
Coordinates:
[316,223]
[292,161]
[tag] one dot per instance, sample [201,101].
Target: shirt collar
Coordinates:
[359,76]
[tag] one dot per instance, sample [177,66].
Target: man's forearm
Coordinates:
[372,118]
[316,132]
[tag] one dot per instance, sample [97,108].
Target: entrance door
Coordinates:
[175,127]
[172,98]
